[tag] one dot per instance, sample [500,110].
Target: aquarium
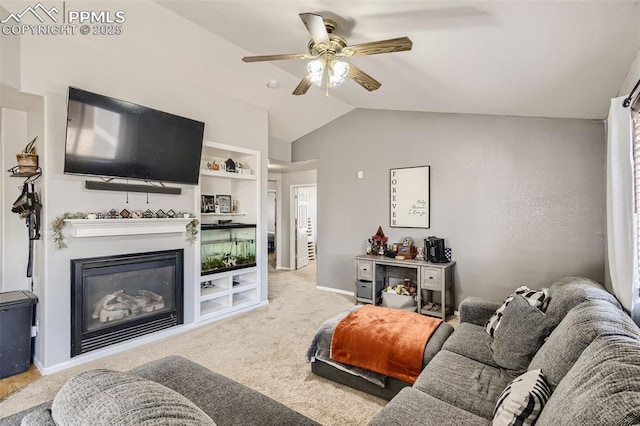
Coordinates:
[226,247]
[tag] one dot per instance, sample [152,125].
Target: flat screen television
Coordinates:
[111,138]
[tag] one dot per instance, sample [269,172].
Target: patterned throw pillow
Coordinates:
[522,400]
[538,298]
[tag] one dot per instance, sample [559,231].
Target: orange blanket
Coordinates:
[383,340]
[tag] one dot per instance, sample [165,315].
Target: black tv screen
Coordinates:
[112,138]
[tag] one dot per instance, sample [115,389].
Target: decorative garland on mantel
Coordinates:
[59,223]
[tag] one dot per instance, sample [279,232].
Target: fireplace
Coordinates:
[117,298]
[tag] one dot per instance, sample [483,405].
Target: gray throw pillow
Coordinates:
[107,398]
[522,331]
[537,298]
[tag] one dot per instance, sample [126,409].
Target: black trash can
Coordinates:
[16,318]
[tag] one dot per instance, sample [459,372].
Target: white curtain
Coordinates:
[620,215]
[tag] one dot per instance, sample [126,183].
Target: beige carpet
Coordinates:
[263,349]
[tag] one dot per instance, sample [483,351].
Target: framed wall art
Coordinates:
[409,197]
[224,201]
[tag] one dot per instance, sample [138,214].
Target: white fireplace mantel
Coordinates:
[109,227]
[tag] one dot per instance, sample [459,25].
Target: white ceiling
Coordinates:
[525,58]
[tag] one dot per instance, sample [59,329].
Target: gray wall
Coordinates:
[279,150]
[519,200]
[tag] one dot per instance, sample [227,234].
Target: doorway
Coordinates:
[303,234]
[271,227]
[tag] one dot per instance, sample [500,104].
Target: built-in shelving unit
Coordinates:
[222,293]
[226,291]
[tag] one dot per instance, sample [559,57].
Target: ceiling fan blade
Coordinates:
[363,79]
[277,57]
[303,86]
[383,46]
[315,26]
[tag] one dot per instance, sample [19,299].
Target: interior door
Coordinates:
[301,210]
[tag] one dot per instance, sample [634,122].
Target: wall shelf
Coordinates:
[223,214]
[229,175]
[81,228]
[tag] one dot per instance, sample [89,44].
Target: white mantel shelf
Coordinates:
[109,227]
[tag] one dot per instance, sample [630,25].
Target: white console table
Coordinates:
[434,281]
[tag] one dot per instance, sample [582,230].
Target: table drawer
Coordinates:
[364,289]
[431,278]
[364,270]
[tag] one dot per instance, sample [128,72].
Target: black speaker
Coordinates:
[434,247]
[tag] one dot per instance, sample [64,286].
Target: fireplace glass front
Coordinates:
[118,298]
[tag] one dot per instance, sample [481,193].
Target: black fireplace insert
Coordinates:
[118,298]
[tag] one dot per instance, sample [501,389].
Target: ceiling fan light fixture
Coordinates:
[338,73]
[315,69]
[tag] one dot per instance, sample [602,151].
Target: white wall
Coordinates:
[13,137]
[519,200]
[149,64]
[9,58]
[632,77]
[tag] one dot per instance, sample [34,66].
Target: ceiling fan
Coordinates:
[327,50]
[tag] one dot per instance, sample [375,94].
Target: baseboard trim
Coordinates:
[121,347]
[336,290]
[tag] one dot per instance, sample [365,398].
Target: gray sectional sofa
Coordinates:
[591,361]
[197,391]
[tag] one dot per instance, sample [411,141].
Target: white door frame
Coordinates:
[292,224]
[278,190]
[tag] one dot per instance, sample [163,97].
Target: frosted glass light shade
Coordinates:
[316,69]
[339,71]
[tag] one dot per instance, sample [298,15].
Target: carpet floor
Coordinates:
[263,349]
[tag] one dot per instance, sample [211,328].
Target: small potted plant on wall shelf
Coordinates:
[28,159]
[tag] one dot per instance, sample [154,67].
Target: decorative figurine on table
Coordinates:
[378,242]
[420,255]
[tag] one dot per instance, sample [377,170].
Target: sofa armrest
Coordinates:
[477,310]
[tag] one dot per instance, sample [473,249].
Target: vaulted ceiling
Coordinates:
[524,58]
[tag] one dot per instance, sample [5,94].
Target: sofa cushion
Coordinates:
[463,382]
[522,331]
[568,292]
[223,399]
[477,310]
[105,397]
[522,400]
[575,332]
[412,407]
[471,341]
[38,418]
[537,298]
[602,388]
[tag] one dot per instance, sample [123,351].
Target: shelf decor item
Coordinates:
[378,242]
[27,158]
[208,204]
[224,202]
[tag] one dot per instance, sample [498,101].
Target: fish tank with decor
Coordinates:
[226,247]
